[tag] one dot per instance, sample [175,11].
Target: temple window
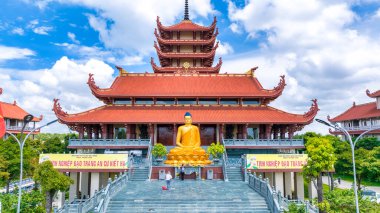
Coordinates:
[122,101]
[143,101]
[165,101]
[210,101]
[356,123]
[250,101]
[187,101]
[229,101]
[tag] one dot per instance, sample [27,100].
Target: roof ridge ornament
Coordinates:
[91,81]
[252,71]
[186,15]
[122,71]
[58,109]
[374,94]
[1,91]
[313,109]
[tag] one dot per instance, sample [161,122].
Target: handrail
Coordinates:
[264,142]
[99,202]
[276,202]
[225,159]
[150,159]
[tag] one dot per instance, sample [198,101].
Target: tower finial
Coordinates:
[186,17]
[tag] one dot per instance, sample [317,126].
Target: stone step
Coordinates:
[164,210]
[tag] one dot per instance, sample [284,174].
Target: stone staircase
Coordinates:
[188,196]
[140,174]
[234,173]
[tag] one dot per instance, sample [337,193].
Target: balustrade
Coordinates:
[264,142]
[109,142]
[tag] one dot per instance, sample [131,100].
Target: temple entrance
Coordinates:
[165,134]
[208,134]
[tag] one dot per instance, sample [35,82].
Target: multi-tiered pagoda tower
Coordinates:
[142,109]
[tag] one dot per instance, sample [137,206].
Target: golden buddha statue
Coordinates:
[188,150]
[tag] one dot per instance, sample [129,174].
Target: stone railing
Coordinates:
[265,142]
[359,128]
[99,202]
[149,159]
[225,160]
[276,202]
[18,128]
[109,142]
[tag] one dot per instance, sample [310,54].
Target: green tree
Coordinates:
[368,143]
[320,159]
[54,145]
[51,181]
[31,202]
[343,201]
[10,155]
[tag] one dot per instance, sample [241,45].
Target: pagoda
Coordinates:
[360,117]
[143,109]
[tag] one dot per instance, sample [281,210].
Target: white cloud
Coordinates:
[224,48]
[129,25]
[34,90]
[234,27]
[72,37]
[10,53]
[43,30]
[315,44]
[18,31]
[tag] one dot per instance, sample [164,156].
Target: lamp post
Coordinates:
[21,143]
[352,145]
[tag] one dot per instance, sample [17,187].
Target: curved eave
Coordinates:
[374,94]
[210,54]
[181,26]
[96,91]
[310,115]
[158,69]
[163,114]
[277,91]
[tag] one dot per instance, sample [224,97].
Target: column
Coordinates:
[81,131]
[89,131]
[288,184]
[282,132]
[299,186]
[104,130]
[221,131]
[84,178]
[60,199]
[268,130]
[110,131]
[275,132]
[245,127]
[96,132]
[174,134]
[151,131]
[217,132]
[292,129]
[279,182]
[127,131]
[270,176]
[73,187]
[261,132]
[95,180]
[312,190]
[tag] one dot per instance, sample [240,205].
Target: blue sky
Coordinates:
[327,49]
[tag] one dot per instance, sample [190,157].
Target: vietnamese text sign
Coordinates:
[87,161]
[276,161]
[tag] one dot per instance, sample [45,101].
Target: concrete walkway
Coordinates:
[348,185]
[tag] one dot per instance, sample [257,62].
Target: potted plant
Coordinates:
[216,151]
[159,151]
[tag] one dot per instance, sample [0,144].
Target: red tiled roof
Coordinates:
[353,132]
[374,94]
[13,111]
[192,85]
[170,114]
[361,111]
[185,25]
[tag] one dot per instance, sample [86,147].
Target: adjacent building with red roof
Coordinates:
[142,109]
[361,117]
[14,119]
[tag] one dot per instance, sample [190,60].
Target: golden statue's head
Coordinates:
[188,119]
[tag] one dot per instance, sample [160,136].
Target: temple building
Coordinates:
[143,109]
[14,119]
[360,117]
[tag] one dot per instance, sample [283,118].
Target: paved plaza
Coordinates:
[188,196]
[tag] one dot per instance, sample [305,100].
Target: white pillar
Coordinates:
[73,187]
[60,199]
[288,184]
[279,182]
[299,186]
[312,191]
[95,180]
[84,184]
[270,176]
